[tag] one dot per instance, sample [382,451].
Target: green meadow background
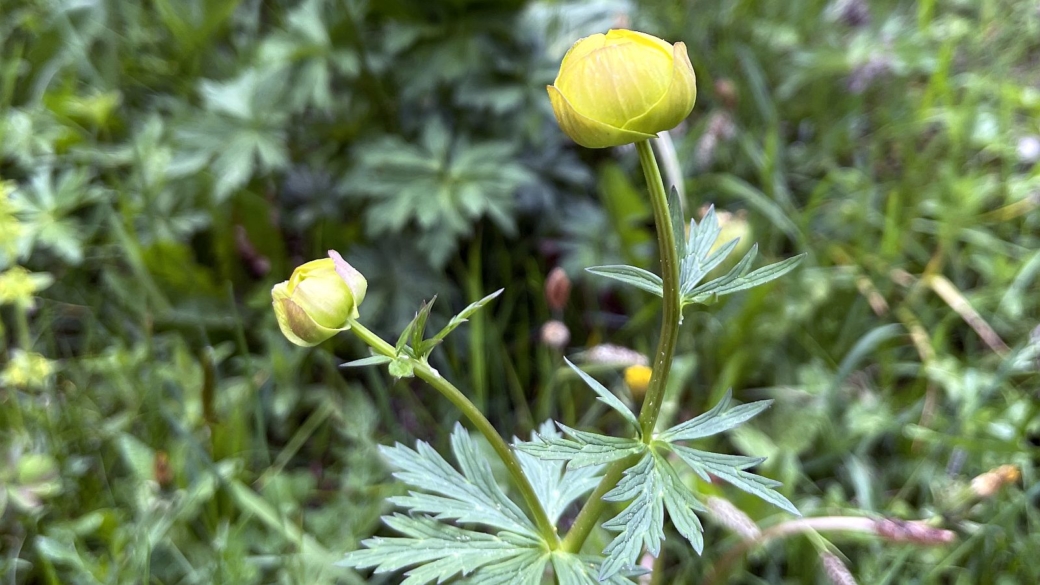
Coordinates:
[168,161]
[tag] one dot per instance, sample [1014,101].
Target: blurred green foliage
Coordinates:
[170,161]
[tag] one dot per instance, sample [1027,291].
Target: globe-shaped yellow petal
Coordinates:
[622,87]
[318,299]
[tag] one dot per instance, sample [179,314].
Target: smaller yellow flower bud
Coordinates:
[318,299]
[622,87]
[638,379]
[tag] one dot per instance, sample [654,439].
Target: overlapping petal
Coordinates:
[622,87]
[318,300]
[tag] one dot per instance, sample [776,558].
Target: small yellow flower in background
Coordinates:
[638,379]
[18,286]
[26,370]
[622,87]
[316,302]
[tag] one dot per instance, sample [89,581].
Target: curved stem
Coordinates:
[662,361]
[471,412]
[671,310]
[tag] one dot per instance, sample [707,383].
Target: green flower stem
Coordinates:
[590,514]
[470,411]
[671,311]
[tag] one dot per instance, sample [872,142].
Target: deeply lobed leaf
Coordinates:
[556,484]
[697,260]
[641,523]
[470,496]
[583,449]
[441,551]
[730,468]
[738,279]
[715,421]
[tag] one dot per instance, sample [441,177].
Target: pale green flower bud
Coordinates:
[318,299]
[622,87]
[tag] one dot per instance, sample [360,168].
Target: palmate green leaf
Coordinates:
[555,484]
[652,487]
[697,260]
[719,419]
[441,186]
[441,551]
[730,468]
[242,132]
[583,448]
[681,504]
[306,48]
[641,523]
[526,568]
[435,551]
[738,278]
[49,208]
[472,496]
[605,396]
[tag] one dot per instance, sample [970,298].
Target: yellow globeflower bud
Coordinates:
[622,87]
[315,303]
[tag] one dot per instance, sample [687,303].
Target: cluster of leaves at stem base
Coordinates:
[506,550]
[651,486]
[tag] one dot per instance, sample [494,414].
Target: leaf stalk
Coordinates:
[482,424]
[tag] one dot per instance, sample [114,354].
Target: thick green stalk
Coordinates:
[662,362]
[471,412]
[671,310]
